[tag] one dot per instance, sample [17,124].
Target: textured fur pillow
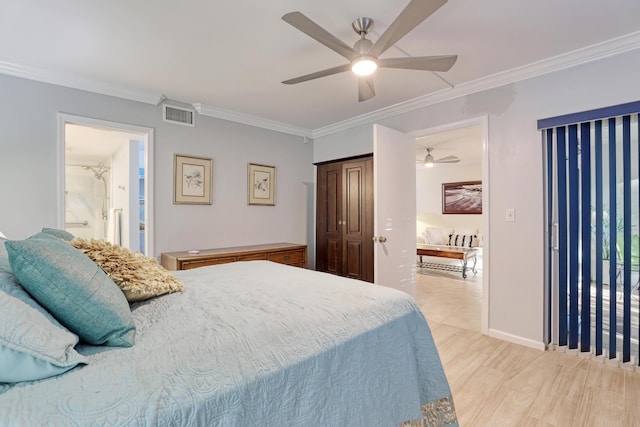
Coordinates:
[138,276]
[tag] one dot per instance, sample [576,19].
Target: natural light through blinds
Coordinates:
[593,234]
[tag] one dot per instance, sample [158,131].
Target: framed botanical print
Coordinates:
[261,182]
[191,180]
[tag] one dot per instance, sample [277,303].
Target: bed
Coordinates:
[250,344]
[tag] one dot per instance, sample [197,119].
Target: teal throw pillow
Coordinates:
[77,292]
[60,234]
[33,345]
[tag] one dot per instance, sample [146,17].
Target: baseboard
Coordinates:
[516,339]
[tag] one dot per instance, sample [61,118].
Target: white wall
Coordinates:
[28,170]
[516,298]
[429,196]
[348,143]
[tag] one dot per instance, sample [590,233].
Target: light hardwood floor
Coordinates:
[496,383]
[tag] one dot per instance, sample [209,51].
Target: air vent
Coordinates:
[181,116]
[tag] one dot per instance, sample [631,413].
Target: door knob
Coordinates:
[382,239]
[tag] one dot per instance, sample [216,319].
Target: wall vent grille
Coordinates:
[178,115]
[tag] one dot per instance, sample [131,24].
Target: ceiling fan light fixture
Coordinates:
[429,161]
[364,66]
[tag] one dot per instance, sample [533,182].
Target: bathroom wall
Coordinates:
[84,195]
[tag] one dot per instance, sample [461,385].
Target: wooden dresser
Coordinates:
[284,253]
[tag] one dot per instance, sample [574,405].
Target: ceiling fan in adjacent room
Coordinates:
[364,57]
[429,160]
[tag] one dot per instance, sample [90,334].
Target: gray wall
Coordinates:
[28,170]
[516,292]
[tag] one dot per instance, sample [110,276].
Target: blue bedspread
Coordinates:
[253,344]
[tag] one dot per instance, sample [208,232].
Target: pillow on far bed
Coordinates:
[73,289]
[139,276]
[33,345]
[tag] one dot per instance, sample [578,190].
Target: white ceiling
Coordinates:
[89,146]
[464,143]
[229,58]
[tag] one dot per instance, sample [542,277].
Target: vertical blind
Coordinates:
[593,230]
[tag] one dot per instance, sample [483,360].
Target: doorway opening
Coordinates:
[105,182]
[455,154]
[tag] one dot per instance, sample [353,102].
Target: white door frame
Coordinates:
[64,119]
[483,123]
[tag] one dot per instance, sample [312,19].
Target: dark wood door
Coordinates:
[344,218]
[329,219]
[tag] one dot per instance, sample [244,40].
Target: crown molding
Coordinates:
[76,82]
[250,120]
[591,53]
[94,86]
[594,52]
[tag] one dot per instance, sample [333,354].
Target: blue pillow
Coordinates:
[60,234]
[77,292]
[33,345]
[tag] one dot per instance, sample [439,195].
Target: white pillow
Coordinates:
[463,240]
[2,235]
[437,236]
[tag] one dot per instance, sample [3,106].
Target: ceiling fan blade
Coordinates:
[313,30]
[365,88]
[427,63]
[412,15]
[318,74]
[450,159]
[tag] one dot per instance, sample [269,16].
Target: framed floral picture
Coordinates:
[261,182]
[191,180]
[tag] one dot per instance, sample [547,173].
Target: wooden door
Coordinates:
[329,218]
[357,177]
[344,218]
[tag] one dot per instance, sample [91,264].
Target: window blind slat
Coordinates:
[598,233]
[562,236]
[613,239]
[574,242]
[626,164]
[585,225]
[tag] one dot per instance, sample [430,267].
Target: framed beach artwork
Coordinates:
[261,182]
[462,197]
[191,180]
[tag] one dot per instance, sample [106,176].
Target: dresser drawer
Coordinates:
[254,257]
[288,257]
[188,265]
[283,253]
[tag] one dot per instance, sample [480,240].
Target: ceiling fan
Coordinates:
[429,161]
[364,57]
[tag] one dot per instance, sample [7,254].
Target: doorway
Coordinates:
[460,154]
[105,182]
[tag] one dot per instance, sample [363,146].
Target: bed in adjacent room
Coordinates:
[246,343]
